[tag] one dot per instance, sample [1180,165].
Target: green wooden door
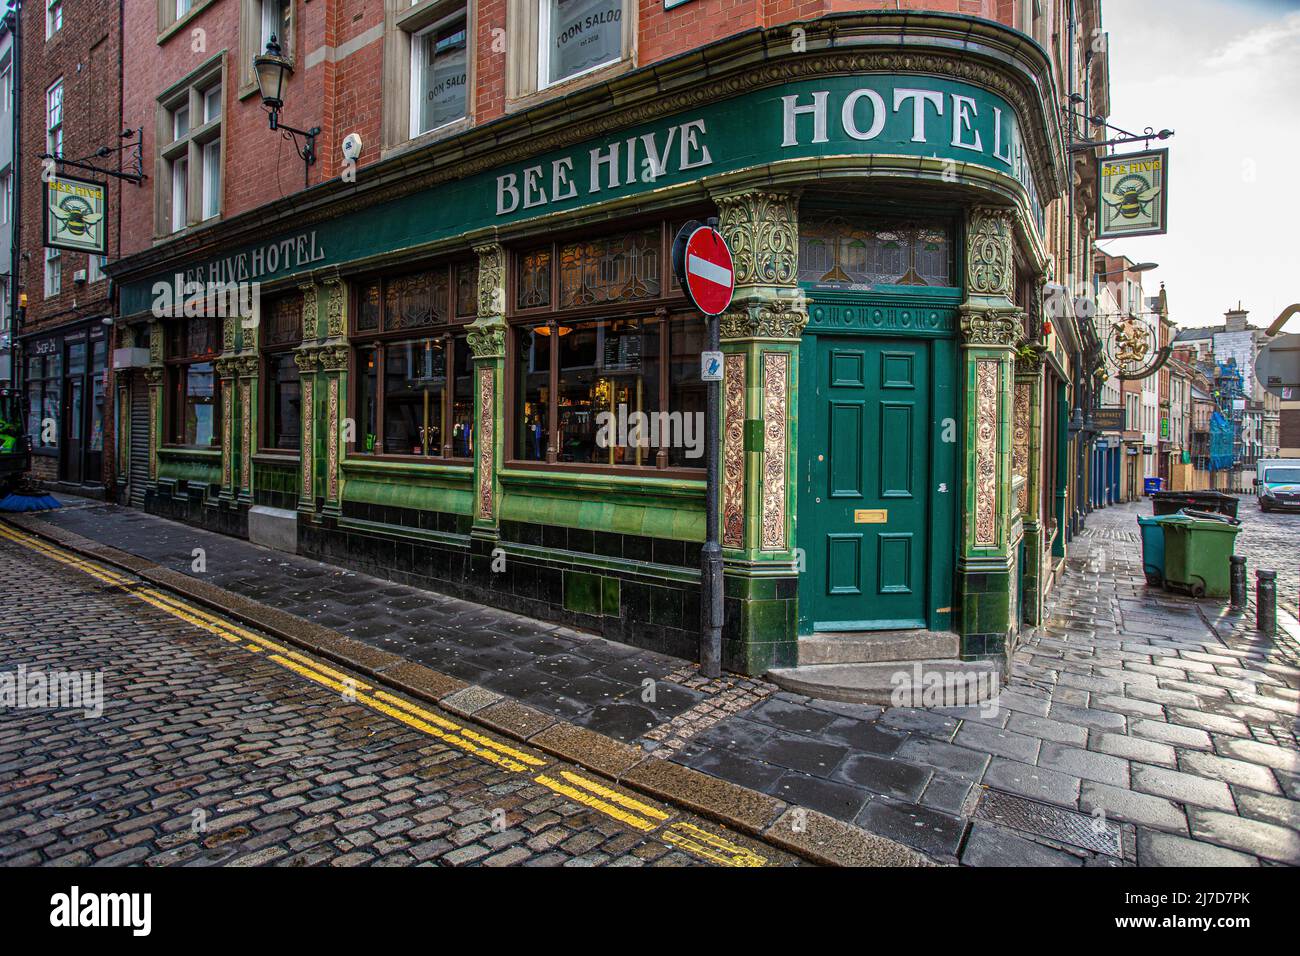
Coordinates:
[864,515]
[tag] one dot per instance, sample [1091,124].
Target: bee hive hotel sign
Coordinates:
[1134,196]
[74,214]
[942,121]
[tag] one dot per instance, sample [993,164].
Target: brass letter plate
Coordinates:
[871,516]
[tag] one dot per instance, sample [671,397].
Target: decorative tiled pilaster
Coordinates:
[487,343]
[308,363]
[1028,431]
[990,325]
[760,341]
[154,377]
[249,369]
[334,373]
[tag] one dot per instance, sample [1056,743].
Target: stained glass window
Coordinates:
[282,321]
[417,300]
[533,285]
[617,269]
[857,254]
[467,290]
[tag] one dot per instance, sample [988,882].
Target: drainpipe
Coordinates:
[15,233]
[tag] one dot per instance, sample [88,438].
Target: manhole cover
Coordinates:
[1055,823]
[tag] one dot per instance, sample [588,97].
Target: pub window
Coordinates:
[836,252]
[439,74]
[414,371]
[44,398]
[193,406]
[606,361]
[281,324]
[577,36]
[560,41]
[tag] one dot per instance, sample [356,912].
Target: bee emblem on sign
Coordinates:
[76,215]
[1132,196]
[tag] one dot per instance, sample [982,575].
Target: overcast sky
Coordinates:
[1225,76]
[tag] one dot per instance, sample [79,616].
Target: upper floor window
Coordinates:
[559,41]
[53,272]
[577,36]
[260,20]
[836,252]
[6,86]
[439,74]
[54,119]
[53,17]
[6,195]
[190,154]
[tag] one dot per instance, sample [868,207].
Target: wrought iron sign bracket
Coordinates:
[134,171]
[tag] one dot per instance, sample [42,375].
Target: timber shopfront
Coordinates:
[436,415]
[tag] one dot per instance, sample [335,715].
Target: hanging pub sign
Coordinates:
[75,214]
[1134,198]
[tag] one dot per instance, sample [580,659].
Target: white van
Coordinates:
[1277,483]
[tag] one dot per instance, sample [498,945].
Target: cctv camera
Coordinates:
[351,148]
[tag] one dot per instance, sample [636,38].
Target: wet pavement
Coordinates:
[1136,726]
[214,749]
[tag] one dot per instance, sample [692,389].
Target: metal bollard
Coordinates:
[1266,601]
[1238,579]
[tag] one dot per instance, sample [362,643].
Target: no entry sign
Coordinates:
[703,265]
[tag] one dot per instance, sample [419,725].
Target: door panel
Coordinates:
[864,516]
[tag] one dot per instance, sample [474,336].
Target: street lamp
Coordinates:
[1138,267]
[272,69]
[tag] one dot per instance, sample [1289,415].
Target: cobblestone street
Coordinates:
[207,753]
[1137,726]
[1271,541]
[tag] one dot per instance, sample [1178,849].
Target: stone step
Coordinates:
[924,683]
[871,647]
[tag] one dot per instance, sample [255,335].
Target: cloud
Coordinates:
[1252,48]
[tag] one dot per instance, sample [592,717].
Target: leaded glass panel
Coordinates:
[617,269]
[836,252]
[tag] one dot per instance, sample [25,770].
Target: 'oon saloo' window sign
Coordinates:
[443,61]
[581,35]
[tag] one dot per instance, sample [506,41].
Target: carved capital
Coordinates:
[764,318]
[487,339]
[153,376]
[227,366]
[248,365]
[762,229]
[334,358]
[990,327]
[1029,359]
[989,260]
[307,361]
[491,280]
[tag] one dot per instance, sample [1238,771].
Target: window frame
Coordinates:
[524,76]
[53,18]
[418,40]
[403,20]
[190,95]
[251,18]
[53,129]
[174,392]
[53,267]
[277,350]
[451,330]
[544,58]
[668,307]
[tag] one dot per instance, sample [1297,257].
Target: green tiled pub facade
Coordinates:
[879,441]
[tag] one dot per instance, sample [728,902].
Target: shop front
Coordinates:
[488,384]
[66,385]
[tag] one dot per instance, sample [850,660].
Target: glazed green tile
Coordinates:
[610,593]
[582,592]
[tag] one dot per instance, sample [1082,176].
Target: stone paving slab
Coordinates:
[1128,703]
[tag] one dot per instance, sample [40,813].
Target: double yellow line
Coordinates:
[619,806]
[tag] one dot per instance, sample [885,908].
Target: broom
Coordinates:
[28,496]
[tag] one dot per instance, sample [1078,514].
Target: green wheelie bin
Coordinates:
[1153,547]
[1198,549]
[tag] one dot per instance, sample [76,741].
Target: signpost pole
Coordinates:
[711,553]
[703,263]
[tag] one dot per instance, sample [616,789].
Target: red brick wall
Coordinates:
[86,53]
